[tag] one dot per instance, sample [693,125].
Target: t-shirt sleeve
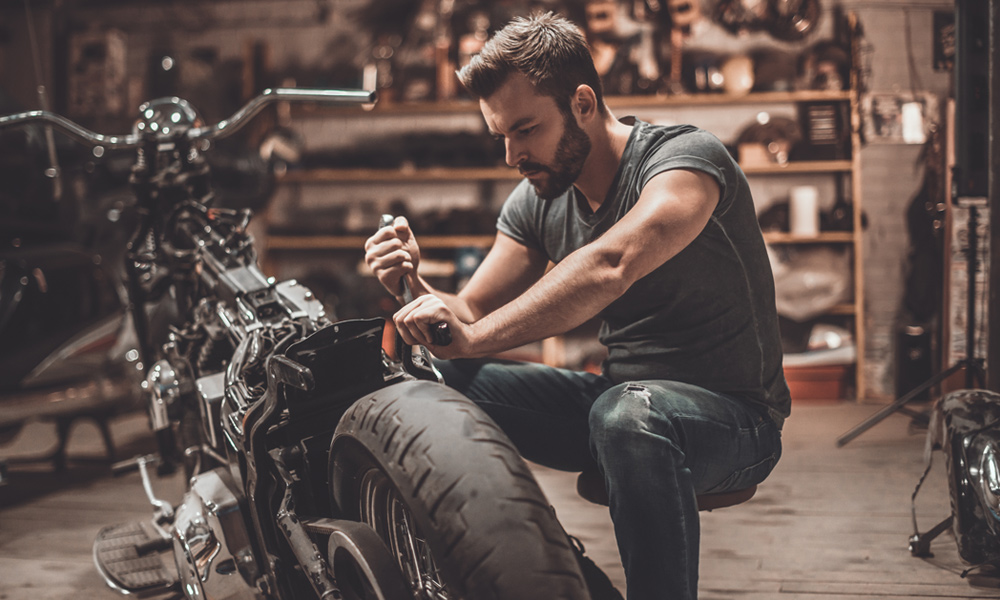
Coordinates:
[700,151]
[519,217]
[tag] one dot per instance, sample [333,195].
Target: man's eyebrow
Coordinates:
[517,125]
[520,123]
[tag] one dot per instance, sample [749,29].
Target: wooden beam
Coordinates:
[993,201]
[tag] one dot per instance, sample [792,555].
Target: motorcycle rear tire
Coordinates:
[426,452]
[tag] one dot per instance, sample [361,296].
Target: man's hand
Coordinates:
[392,253]
[416,320]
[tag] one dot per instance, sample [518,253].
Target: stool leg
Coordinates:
[104,426]
[58,456]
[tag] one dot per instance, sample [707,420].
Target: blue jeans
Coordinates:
[658,444]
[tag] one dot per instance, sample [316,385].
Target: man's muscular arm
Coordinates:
[672,210]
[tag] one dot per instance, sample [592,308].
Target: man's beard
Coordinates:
[572,151]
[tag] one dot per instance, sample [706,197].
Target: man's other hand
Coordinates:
[417,320]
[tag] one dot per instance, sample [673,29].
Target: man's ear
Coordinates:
[584,103]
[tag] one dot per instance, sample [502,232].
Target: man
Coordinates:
[653,230]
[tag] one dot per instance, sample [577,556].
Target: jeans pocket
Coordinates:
[747,476]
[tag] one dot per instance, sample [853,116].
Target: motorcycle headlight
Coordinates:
[989,479]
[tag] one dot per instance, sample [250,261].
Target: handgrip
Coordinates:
[441,334]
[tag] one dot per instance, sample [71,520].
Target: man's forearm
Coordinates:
[569,295]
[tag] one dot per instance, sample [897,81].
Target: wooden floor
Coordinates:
[828,524]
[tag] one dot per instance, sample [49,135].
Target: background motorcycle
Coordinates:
[317,465]
[63,229]
[65,217]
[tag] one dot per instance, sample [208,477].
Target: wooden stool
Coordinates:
[590,486]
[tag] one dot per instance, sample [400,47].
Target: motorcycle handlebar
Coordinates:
[218,131]
[270,96]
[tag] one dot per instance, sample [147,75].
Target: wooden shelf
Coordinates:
[613,102]
[843,309]
[825,237]
[798,167]
[326,175]
[463,174]
[357,242]
[729,99]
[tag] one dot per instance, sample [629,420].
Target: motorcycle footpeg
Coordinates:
[123,556]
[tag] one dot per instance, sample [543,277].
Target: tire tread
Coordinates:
[493,533]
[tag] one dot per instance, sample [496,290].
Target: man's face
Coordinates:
[546,146]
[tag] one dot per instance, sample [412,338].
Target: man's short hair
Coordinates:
[547,49]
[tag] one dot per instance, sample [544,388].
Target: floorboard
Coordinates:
[829,524]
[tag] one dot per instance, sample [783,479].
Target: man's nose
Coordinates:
[514,153]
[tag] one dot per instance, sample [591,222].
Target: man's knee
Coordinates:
[625,411]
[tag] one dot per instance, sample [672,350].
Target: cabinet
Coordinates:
[721,114]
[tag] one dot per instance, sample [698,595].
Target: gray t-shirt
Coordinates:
[707,315]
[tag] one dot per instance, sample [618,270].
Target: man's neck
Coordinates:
[608,141]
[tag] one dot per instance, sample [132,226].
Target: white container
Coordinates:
[803,211]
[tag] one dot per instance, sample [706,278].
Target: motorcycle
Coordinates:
[65,216]
[965,426]
[318,464]
[61,303]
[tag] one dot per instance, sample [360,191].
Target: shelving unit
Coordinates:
[851,312]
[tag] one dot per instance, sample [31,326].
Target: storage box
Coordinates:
[826,383]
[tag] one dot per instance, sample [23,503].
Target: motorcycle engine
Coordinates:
[211,543]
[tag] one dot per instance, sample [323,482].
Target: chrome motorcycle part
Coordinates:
[211,391]
[163,387]
[162,511]
[166,118]
[302,302]
[989,479]
[211,543]
[211,132]
[450,496]
[123,560]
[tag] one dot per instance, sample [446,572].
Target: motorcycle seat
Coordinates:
[590,486]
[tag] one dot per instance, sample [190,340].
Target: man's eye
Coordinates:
[527,130]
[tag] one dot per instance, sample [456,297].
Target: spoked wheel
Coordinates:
[382,509]
[451,499]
